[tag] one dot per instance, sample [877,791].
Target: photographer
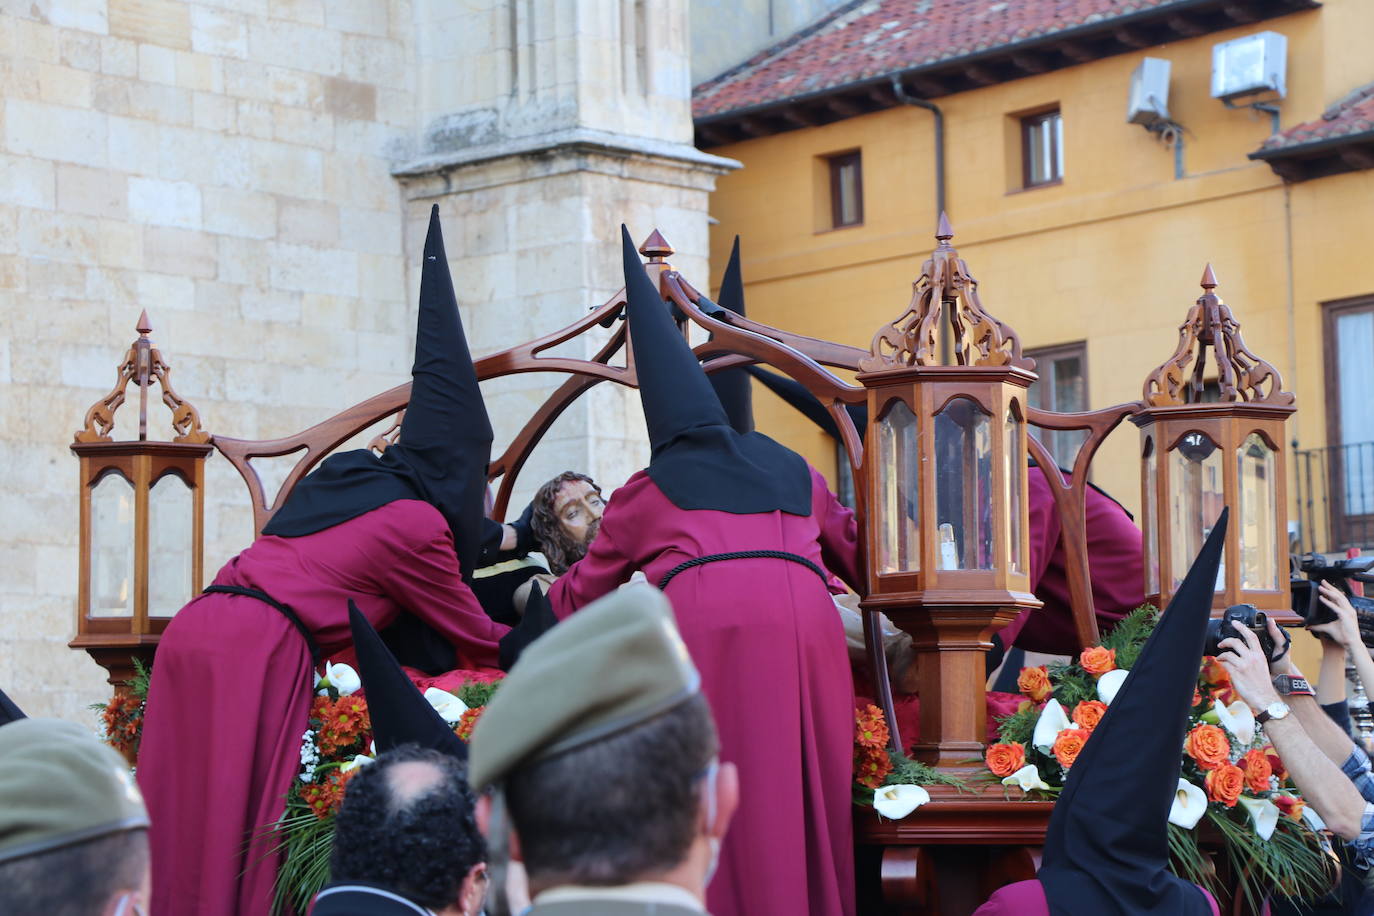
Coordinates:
[1313,748]
[1339,637]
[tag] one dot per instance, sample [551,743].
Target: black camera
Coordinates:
[1316,569]
[1248,616]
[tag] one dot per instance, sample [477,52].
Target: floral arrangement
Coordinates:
[1231,777]
[886,780]
[121,719]
[335,745]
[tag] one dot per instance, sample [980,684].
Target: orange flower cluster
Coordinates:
[1217,680]
[1035,683]
[1224,784]
[1207,745]
[467,722]
[1005,759]
[1290,806]
[1097,661]
[343,722]
[1068,745]
[1275,764]
[123,720]
[870,728]
[871,762]
[325,795]
[1088,713]
[1257,769]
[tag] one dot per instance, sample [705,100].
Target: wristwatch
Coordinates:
[1289,685]
[1275,710]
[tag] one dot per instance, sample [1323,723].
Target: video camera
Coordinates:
[1316,569]
[1248,616]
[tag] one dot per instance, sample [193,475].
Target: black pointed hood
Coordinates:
[732,386]
[445,441]
[399,713]
[9,712]
[1107,846]
[697,460]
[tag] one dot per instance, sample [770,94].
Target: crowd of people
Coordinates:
[673,732]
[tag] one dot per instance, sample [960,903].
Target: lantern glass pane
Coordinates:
[898,469]
[1196,498]
[1258,505]
[1016,494]
[112,547]
[170,527]
[963,486]
[1151,508]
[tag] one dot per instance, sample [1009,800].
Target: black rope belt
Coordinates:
[743,555]
[286,612]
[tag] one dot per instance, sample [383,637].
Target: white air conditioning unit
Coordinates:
[1149,101]
[1244,66]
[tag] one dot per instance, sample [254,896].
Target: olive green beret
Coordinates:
[612,665]
[60,785]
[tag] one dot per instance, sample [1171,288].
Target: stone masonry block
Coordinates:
[372,231]
[86,15]
[219,32]
[134,146]
[305,47]
[277,305]
[94,192]
[54,132]
[27,182]
[157,64]
[79,50]
[63,85]
[243,262]
[255,119]
[241,213]
[64,237]
[164,203]
[159,22]
[210,111]
[302,126]
[179,251]
[200,72]
[368,18]
[162,104]
[280,168]
[161,292]
[118,56]
[310,12]
[313,270]
[121,244]
[35,41]
[56,279]
[110,94]
[307,222]
[380,61]
[349,99]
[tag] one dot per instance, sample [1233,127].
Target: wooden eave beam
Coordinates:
[929,86]
[1131,37]
[800,116]
[1075,52]
[1239,13]
[751,127]
[714,135]
[1185,27]
[980,75]
[1289,169]
[1030,63]
[843,107]
[1358,158]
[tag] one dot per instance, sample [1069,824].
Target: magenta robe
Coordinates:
[232,685]
[1027,898]
[1115,563]
[771,651]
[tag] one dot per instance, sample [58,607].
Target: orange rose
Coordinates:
[1069,744]
[1257,771]
[1088,713]
[1275,764]
[1207,745]
[1005,759]
[1097,661]
[1290,806]
[1213,673]
[1224,784]
[1035,683]
[1197,697]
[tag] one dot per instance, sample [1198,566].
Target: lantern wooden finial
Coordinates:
[912,339]
[656,248]
[144,327]
[1209,279]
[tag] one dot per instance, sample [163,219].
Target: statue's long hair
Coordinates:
[559,549]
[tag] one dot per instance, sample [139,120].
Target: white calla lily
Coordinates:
[896,802]
[1264,814]
[1109,683]
[446,704]
[1190,803]
[1026,778]
[1237,719]
[358,761]
[342,678]
[1313,819]
[1052,721]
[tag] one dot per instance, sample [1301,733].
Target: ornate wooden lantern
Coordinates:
[142,518]
[945,469]
[1203,448]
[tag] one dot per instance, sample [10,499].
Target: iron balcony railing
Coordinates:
[1335,497]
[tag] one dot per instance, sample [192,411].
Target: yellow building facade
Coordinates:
[1105,261]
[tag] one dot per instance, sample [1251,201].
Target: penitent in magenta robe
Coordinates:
[771,651]
[232,685]
[1027,898]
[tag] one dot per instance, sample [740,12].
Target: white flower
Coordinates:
[1314,820]
[1027,778]
[446,704]
[896,802]
[316,685]
[1237,719]
[358,761]
[1052,721]
[1264,814]
[1109,683]
[342,678]
[1190,803]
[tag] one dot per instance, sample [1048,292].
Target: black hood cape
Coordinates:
[399,712]
[1107,844]
[696,458]
[445,440]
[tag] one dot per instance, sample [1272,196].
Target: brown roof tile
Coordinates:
[1353,114]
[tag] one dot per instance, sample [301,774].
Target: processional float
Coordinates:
[941,493]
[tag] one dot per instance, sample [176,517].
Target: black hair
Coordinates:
[624,808]
[419,844]
[75,880]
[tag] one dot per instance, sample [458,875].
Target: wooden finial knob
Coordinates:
[944,232]
[1209,279]
[144,327]
[656,247]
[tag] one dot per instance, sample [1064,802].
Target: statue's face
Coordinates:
[578,507]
